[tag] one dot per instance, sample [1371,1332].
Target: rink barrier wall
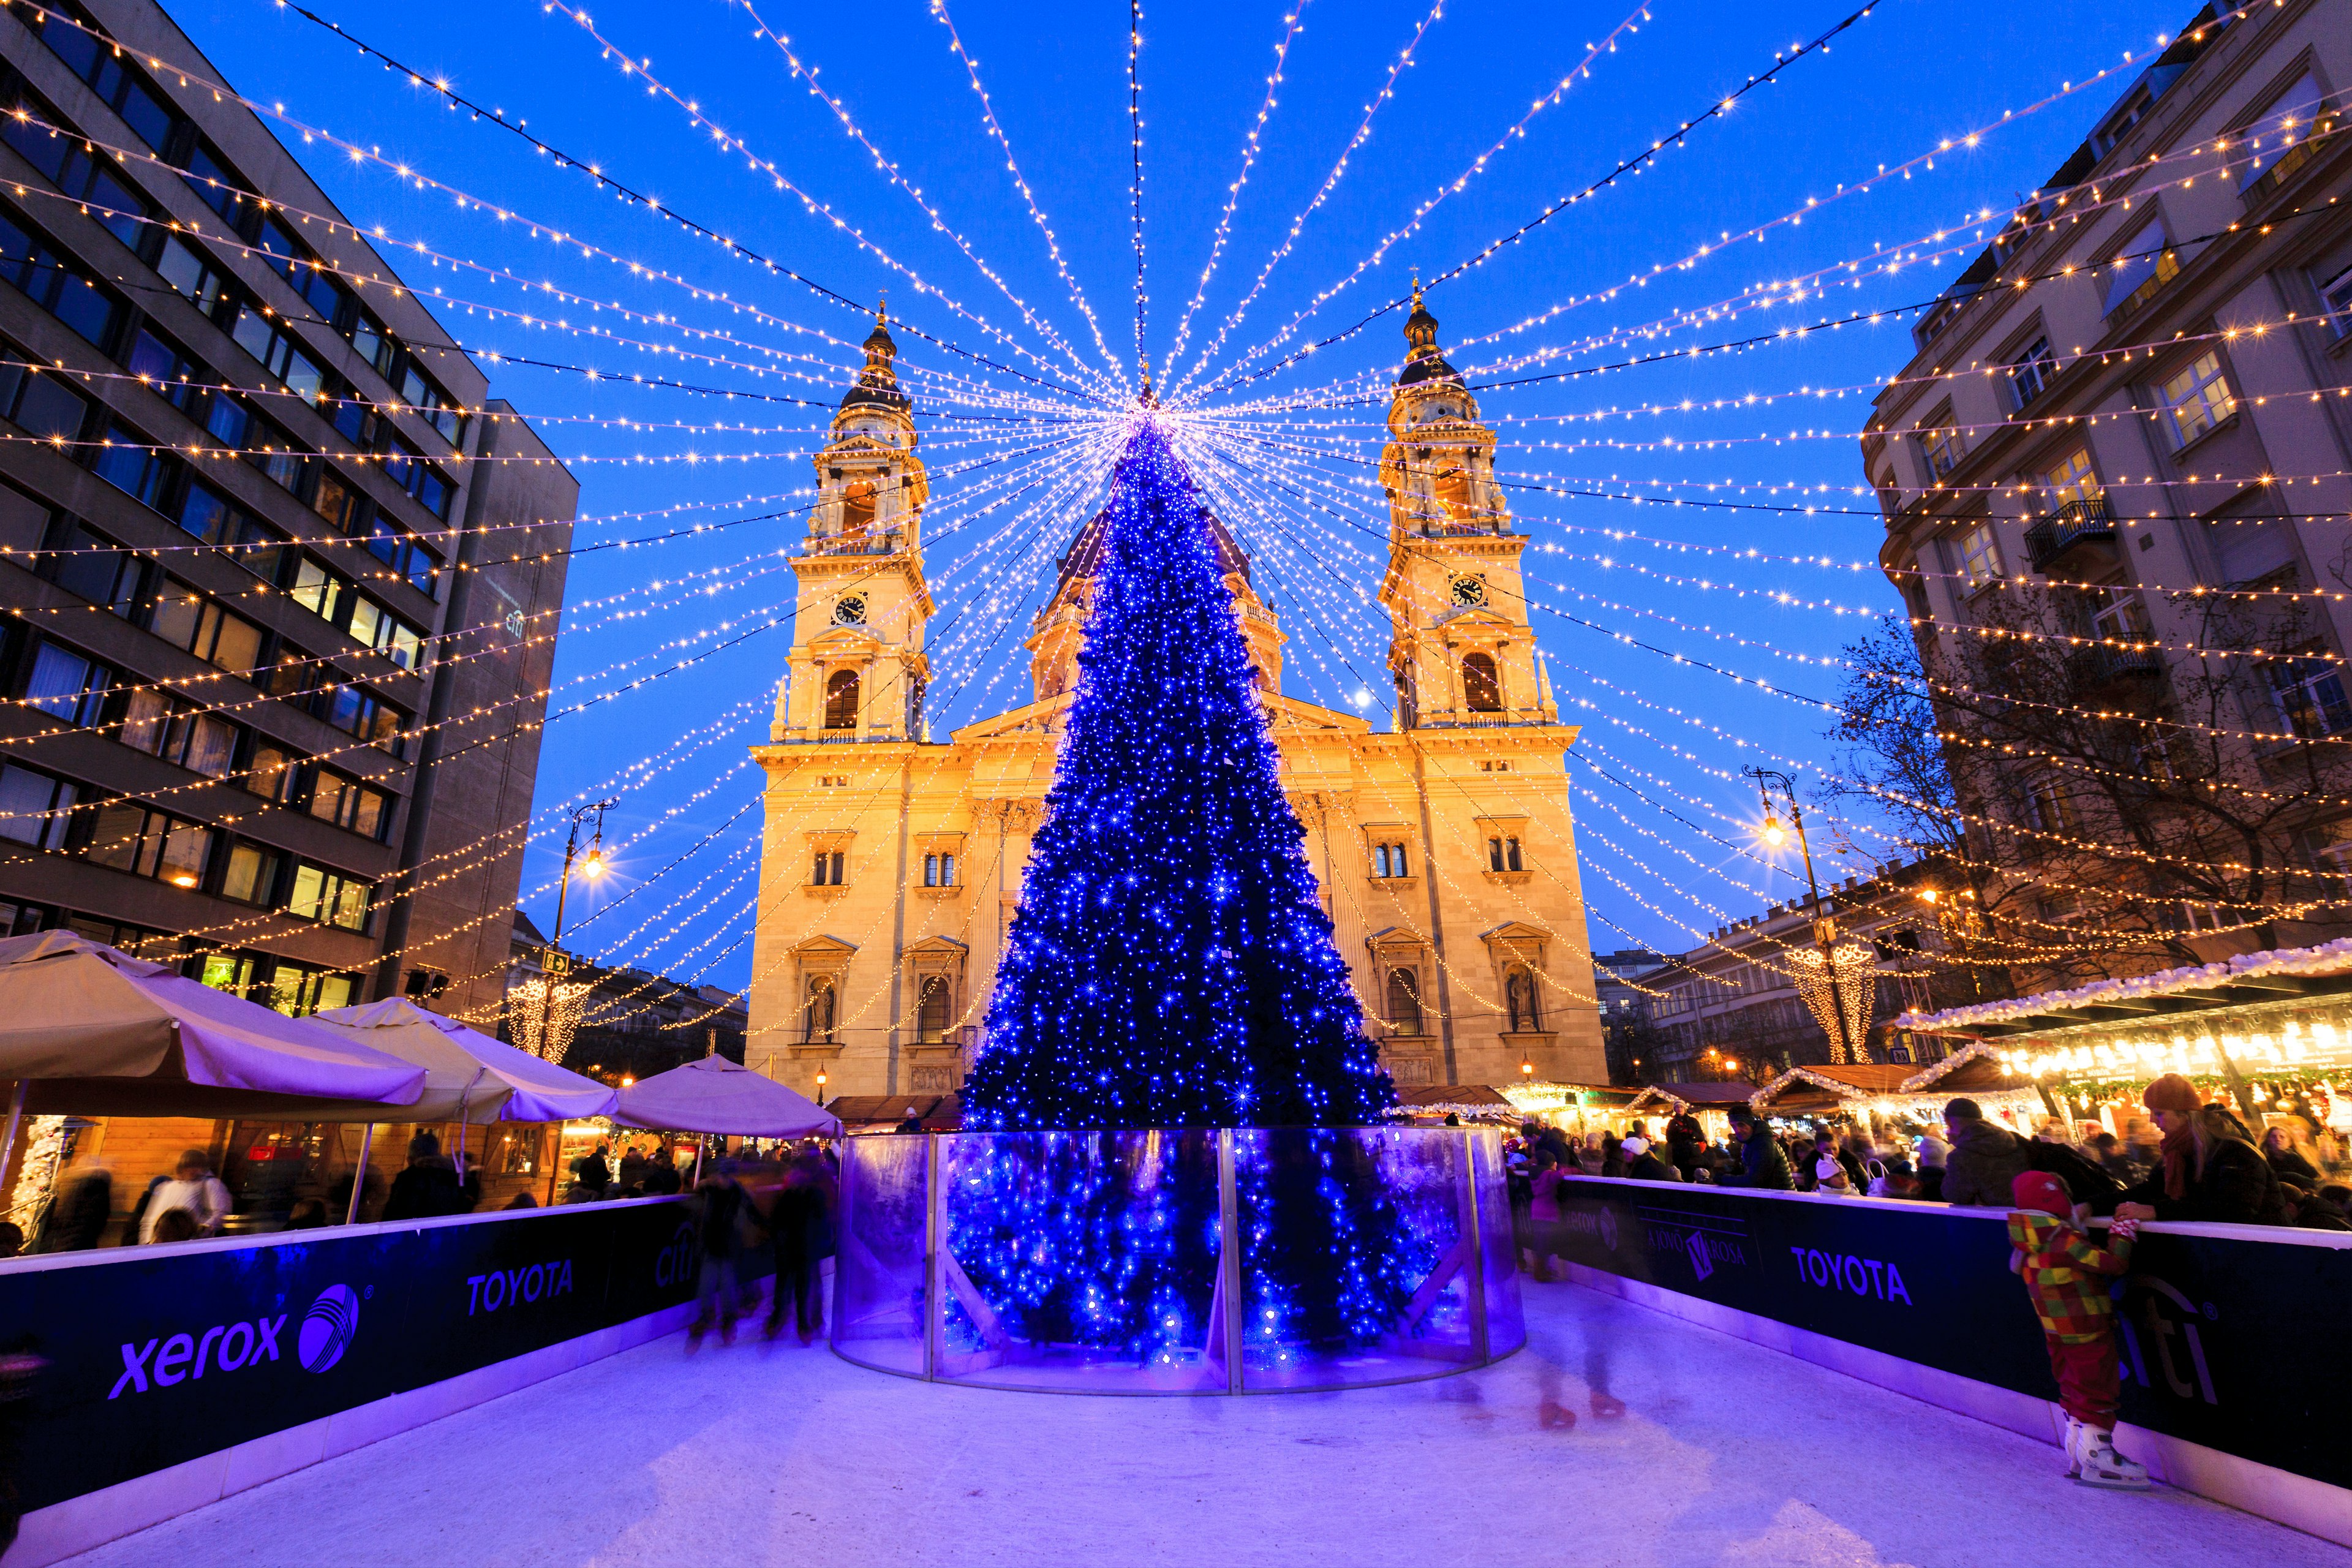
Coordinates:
[2232,1338]
[178,1375]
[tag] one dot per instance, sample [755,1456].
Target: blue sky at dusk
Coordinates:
[1890,89]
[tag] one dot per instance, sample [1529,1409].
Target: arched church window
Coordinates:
[857,508]
[1519,995]
[1404,1001]
[819,1029]
[1454,494]
[931,1015]
[841,700]
[1480,688]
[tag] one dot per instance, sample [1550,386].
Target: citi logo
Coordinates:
[2169,1334]
[504,1287]
[674,1265]
[325,1334]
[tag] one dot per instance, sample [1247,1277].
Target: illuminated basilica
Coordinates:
[892,862]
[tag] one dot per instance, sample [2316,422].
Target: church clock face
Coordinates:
[849,610]
[1469,590]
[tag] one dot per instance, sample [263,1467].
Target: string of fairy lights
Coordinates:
[1019,438]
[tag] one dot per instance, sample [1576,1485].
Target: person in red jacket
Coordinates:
[2067,1274]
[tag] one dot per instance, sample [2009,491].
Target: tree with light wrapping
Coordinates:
[1170,965]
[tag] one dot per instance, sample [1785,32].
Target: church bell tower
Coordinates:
[857,669]
[1461,650]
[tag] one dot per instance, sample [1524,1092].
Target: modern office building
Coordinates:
[282,581]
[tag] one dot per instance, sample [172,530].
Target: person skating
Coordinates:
[799,1234]
[2067,1274]
[719,1201]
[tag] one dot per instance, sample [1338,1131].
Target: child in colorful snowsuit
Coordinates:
[2067,1274]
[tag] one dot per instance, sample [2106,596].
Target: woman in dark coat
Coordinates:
[2210,1170]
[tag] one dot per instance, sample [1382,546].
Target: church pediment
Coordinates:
[1396,940]
[1030,719]
[840,642]
[825,946]
[1514,932]
[940,946]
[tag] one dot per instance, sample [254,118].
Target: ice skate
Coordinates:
[2102,1466]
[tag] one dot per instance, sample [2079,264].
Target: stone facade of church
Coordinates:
[892,863]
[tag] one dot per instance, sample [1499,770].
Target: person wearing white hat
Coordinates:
[1643,1164]
[1831,1178]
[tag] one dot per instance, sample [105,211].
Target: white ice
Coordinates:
[1727,1456]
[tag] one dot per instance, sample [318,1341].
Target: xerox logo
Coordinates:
[328,1328]
[325,1334]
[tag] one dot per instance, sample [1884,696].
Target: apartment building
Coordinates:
[2115,482]
[1731,1008]
[1621,990]
[282,581]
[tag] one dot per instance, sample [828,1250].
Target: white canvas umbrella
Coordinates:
[88,1030]
[711,1094]
[470,1077]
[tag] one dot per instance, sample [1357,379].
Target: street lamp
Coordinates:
[549,1006]
[1824,928]
[820,1087]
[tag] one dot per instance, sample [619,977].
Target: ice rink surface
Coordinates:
[762,1456]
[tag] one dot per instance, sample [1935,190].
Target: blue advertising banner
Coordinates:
[2230,1336]
[161,1355]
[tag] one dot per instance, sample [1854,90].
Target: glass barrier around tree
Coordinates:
[881,1256]
[1177,1261]
[1507,1321]
[1082,1262]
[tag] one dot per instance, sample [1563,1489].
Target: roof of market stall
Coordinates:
[2276,976]
[1805,1089]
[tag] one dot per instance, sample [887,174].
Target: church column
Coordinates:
[898,921]
[1437,913]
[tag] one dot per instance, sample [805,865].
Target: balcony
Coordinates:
[855,544]
[2076,525]
[2103,668]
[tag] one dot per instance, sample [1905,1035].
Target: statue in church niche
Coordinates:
[1519,997]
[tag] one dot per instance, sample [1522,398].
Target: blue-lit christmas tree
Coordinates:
[1170,965]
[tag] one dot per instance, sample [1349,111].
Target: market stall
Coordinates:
[2269,1031]
[1711,1103]
[1874,1095]
[1577,1107]
[1471,1102]
[865,1113]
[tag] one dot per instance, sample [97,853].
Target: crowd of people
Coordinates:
[2188,1159]
[191,1201]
